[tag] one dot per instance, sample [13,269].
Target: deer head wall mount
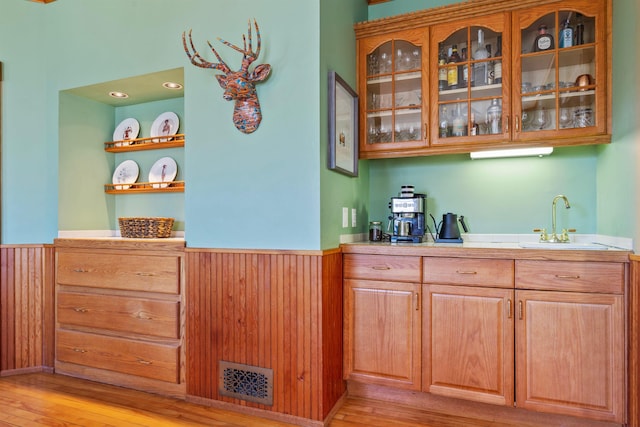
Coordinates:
[238,85]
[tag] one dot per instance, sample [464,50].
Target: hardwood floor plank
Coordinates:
[42,399]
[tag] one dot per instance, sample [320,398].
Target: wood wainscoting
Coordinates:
[26,308]
[279,310]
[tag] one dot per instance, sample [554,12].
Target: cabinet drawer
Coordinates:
[469,271]
[123,314]
[151,273]
[382,267]
[155,361]
[577,276]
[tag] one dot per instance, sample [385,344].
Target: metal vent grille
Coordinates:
[246,382]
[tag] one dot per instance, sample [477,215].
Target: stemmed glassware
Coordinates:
[540,119]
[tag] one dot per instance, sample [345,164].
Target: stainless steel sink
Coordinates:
[565,246]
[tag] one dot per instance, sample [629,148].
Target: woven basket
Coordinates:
[145,227]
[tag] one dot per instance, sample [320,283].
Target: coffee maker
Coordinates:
[407,218]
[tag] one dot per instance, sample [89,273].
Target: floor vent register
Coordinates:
[246,382]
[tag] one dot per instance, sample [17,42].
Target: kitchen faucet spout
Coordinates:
[554,237]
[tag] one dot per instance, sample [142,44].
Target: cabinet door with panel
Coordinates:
[393,91]
[470,66]
[382,318]
[468,347]
[570,356]
[383,332]
[561,71]
[468,343]
[570,338]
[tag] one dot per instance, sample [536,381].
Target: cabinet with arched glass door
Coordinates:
[470,67]
[562,73]
[393,92]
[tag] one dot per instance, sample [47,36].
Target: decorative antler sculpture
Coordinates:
[237,85]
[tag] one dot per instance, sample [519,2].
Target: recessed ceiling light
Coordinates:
[172,85]
[116,94]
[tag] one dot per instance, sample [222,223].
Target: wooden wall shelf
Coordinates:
[145,187]
[149,143]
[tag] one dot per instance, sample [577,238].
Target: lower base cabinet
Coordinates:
[547,336]
[120,313]
[570,354]
[383,341]
[468,343]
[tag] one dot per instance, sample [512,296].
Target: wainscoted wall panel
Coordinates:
[26,310]
[276,310]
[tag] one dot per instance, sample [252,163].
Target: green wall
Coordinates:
[243,191]
[338,53]
[270,189]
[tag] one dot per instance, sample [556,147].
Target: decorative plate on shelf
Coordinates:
[163,172]
[128,129]
[126,173]
[166,124]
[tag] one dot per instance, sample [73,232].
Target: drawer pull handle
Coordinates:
[509,308]
[145,274]
[80,309]
[466,272]
[145,362]
[79,350]
[144,316]
[567,276]
[381,267]
[80,270]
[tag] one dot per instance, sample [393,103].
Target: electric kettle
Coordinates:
[447,231]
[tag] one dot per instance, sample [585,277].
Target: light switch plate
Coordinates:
[353,217]
[345,217]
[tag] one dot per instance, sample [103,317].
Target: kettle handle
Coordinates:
[464,226]
[436,226]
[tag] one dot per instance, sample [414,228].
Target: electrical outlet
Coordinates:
[353,217]
[345,217]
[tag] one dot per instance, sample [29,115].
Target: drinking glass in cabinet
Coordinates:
[408,56]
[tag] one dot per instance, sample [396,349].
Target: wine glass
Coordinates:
[540,119]
[565,120]
[416,58]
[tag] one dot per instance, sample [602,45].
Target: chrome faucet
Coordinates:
[553,237]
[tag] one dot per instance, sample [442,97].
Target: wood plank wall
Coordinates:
[26,308]
[273,310]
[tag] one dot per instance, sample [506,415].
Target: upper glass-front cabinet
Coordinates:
[392,108]
[562,74]
[470,69]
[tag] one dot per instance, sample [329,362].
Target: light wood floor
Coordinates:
[56,400]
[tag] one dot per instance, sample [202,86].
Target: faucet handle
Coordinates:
[565,234]
[543,233]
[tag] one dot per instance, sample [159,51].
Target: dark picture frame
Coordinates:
[343,126]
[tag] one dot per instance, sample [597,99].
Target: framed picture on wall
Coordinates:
[343,126]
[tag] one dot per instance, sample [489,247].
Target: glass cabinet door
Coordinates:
[394,95]
[472,80]
[560,85]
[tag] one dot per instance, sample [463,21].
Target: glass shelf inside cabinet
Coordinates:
[394,93]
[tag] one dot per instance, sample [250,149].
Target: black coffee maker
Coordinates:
[447,231]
